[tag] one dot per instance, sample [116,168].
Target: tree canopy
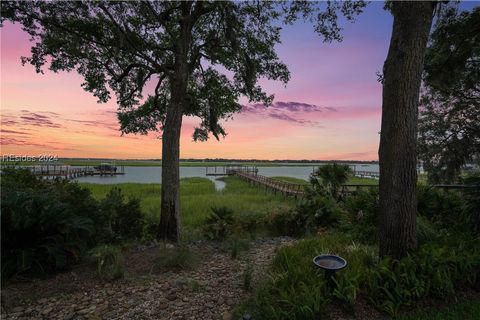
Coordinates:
[449,127]
[199,57]
[125,46]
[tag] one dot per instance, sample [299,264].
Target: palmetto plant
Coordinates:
[40,233]
[219,223]
[328,179]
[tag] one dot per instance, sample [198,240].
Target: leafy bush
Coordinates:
[472,197]
[249,222]
[283,222]
[120,219]
[332,176]
[295,289]
[317,212]
[47,225]
[443,208]
[109,262]
[41,230]
[219,224]
[311,213]
[426,231]
[362,218]
[432,271]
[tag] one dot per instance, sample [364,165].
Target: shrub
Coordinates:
[310,214]
[109,261]
[219,224]
[426,231]
[362,218]
[472,197]
[295,289]
[319,211]
[332,176]
[176,258]
[432,271]
[120,219]
[249,222]
[47,225]
[444,208]
[283,222]
[42,232]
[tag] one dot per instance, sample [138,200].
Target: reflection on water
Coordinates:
[150,175]
[154,174]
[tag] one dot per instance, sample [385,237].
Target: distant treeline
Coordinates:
[228,160]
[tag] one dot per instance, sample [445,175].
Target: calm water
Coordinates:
[154,174]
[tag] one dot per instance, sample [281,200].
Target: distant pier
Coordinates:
[61,171]
[250,174]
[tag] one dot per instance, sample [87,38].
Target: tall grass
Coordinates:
[198,196]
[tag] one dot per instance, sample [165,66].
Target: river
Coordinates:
[154,174]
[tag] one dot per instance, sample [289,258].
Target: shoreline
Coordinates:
[146,163]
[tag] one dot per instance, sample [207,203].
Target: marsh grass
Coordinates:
[198,196]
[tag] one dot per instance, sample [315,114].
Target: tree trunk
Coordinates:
[398,151]
[169,227]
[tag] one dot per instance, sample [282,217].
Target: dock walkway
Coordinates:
[275,185]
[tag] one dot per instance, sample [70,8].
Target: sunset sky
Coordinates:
[330,109]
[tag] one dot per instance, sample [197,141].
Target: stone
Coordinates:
[172,296]
[17,309]
[46,311]
[227,316]
[162,306]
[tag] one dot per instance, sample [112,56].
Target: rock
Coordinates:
[17,309]
[230,302]
[42,301]
[85,310]
[172,296]
[162,306]
[227,316]
[46,311]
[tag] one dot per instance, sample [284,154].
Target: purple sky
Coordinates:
[330,109]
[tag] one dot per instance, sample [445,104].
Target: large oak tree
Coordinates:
[200,56]
[402,74]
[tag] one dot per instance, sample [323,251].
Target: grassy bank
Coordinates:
[198,196]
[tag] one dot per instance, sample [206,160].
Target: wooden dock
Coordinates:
[282,187]
[61,171]
[367,174]
[229,170]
